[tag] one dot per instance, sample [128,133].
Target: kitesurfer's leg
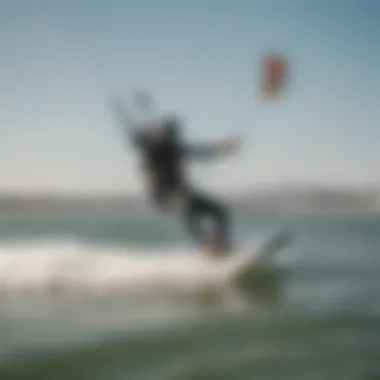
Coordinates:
[197,208]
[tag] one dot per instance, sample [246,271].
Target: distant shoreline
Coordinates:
[299,201]
[58,202]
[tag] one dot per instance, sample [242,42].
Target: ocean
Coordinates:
[108,295]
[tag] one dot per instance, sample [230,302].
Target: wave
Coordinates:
[74,266]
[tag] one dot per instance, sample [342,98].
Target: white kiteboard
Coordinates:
[241,264]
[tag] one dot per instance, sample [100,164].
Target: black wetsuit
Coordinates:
[164,157]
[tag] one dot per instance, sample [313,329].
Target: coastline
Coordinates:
[320,202]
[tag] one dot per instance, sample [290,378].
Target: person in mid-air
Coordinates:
[164,154]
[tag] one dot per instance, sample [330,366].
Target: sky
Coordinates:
[60,60]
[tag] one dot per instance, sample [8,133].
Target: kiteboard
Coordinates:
[241,264]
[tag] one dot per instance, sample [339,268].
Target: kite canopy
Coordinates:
[274,73]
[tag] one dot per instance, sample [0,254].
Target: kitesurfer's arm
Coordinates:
[216,150]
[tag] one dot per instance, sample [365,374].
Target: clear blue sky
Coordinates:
[59,60]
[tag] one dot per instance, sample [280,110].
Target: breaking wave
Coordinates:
[72,266]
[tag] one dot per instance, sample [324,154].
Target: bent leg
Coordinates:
[197,208]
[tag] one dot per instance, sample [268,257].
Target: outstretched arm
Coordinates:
[211,151]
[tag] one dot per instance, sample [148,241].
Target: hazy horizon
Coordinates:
[61,60]
[258,189]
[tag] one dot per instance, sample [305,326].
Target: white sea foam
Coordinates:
[69,266]
[72,266]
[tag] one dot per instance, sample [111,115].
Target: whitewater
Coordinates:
[71,266]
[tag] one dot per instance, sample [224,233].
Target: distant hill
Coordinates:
[315,199]
[27,202]
[287,198]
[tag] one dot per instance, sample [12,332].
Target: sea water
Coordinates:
[119,295]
